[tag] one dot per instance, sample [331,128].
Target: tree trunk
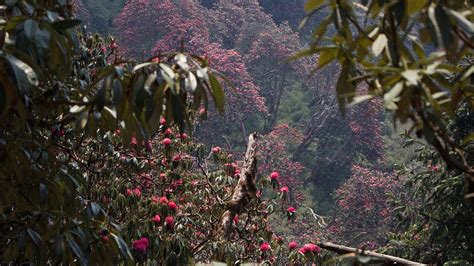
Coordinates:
[245,189]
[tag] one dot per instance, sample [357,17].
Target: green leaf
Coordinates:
[77,250]
[412,76]
[392,96]
[30,26]
[379,44]
[327,55]
[117,92]
[190,83]
[440,26]
[124,251]
[43,193]
[20,68]
[35,237]
[412,6]
[313,4]
[140,66]
[361,99]
[462,21]
[344,88]
[65,24]
[217,93]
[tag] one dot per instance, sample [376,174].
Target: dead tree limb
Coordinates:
[245,189]
[339,249]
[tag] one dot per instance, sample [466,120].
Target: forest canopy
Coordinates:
[180,132]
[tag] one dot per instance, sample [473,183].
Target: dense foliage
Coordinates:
[388,45]
[115,150]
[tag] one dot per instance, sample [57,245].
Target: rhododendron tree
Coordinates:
[276,76]
[364,215]
[190,194]
[287,182]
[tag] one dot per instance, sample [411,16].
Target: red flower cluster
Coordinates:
[166,141]
[274,175]
[169,221]
[310,248]
[141,245]
[156,219]
[292,245]
[265,247]
[172,205]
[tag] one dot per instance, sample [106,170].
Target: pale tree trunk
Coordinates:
[245,189]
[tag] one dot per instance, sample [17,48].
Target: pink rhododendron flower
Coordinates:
[265,247]
[291,209]
[284,189]
[236,219]
[129,192]
[184,136]
[169,221]
[168,131]
[177,158]
[155,199]
[163,200]
[292,245]
[202,111]
[156,219]
[134,141]
[162,121]
[274,175]
[137,192]
[216,149]
[166,141]
[141,245]
[310,248]
[113,46]
[172,205]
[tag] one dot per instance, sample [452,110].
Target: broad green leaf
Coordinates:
[412,76]
[30,26]
[440,26]
[142,65]
[326,56]
[344,88]
[77,250]
[313,4]
[149,80]
[379,44]
[360,99]
[35,237]
[217,93]
[117,92]
[65,24]
[462,21]
[391,97]
[21,68]
[190,83]
[412,6]
[124,251]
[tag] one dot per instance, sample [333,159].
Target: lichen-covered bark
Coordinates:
[245,189]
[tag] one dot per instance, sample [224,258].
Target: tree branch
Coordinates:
[339,249]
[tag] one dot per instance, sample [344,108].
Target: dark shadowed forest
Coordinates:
[275,132]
